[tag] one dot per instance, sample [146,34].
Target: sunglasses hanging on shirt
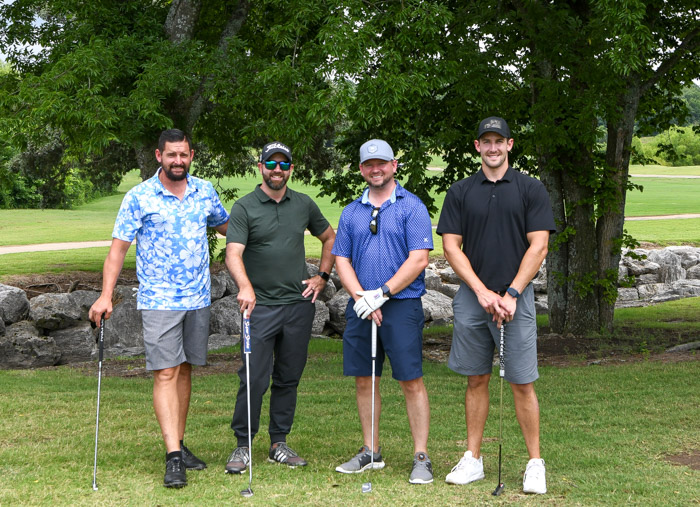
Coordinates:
[374,223]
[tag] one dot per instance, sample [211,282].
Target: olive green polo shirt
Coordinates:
[273,235]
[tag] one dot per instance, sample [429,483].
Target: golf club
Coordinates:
[499,489]
[367,486]
[101,342]
[245,332]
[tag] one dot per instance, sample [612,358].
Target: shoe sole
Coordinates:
[229,471]
[534,492]
[196,467]
[377,466]
[458,483]
[420,481]
[175,484]
[270,460]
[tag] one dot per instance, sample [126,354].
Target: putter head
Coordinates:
[366,487]
[499,489]
[247,492]
[94,487]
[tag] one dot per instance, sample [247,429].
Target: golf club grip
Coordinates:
[374,339]
[245,330]
[101,339]
[501,358]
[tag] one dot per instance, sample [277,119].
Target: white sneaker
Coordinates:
[534,480]
[469,469]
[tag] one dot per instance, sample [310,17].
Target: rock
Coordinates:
[649,290]
[336,307]
[218,341]
[321,318]
[432,280]
[640,267]
[2,327]
[693,273]
[22,346]
[54,311]
[14,305]
[84,299]
[437,308]
[671,269]
[225,316]
[124,329]
[76,343]
[541,303]
[689,255]
[448,275]
[539,283]
[627,294]
[218,285]
[448,289]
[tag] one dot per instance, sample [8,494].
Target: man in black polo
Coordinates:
[495,228]
[265,256]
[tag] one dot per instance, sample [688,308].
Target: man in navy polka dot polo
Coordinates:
[381,250]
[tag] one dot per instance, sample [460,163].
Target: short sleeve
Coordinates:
[129,218]
[450,221]
[237,231]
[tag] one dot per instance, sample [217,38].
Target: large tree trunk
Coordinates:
[610,225]
[145,155]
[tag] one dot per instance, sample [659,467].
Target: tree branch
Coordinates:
[182,19]
[690,44]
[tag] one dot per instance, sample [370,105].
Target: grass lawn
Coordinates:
[605,433]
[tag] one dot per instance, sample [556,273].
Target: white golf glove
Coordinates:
[371,300]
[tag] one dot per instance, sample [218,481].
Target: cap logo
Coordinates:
[493,124]
[276,146]
[372,148]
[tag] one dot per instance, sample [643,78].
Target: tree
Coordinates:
[113,74]
[572,77]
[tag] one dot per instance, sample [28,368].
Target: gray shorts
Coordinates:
[475,337]
[173,337]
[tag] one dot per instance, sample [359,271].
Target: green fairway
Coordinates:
[663,196]
[605,434]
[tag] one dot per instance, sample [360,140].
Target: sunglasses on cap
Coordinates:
[271,164]
[374,223]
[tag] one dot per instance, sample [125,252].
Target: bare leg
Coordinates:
[363,389]
[166,403]
[527,410]
[184,389]
[477,410]
[418,410]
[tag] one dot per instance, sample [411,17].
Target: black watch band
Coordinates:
[324,275]
[513,292]
[386,291]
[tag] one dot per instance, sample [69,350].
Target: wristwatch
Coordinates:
[386,291]
[513,292]
[324,275]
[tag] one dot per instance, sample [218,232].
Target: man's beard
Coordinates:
[276,185]
[175,177]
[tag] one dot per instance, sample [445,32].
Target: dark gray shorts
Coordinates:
[175,337]
[475,337]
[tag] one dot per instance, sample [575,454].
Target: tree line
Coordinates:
[574,79]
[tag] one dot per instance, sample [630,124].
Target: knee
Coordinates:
[413,387]
[478,381]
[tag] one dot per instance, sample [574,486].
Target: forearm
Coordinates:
[412,267]
[463,268]
[532,260]
[113,266]
[327,257]
[348,277]
[236,268]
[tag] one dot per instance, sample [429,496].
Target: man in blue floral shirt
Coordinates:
[168,215]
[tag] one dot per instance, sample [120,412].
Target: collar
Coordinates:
[160,188]
[263,197]
[508,176]
[398,191]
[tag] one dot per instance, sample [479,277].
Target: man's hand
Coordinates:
[103,306]
[314,287]
[370,301]
[246,299]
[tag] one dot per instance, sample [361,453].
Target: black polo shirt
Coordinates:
[494,219]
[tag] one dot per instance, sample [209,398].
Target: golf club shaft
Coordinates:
[502,372]
[101,341]
[374,361]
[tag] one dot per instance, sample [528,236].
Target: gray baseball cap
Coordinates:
[376,148]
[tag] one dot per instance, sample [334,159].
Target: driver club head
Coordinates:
[247,492]
[499,489]
[366,487]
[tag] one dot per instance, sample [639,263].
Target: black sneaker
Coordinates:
[281,453]
[175,475]
[191,461]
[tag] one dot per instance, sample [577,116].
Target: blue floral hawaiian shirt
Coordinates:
[172,253]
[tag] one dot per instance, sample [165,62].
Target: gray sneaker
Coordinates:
[422,472]
[238,461]
[361,462]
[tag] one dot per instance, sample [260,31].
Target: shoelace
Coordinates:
[283,453]
[462,463]
[239,452]
[174,465]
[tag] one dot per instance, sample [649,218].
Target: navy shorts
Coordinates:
[173,337]
[400,337]
[475,337]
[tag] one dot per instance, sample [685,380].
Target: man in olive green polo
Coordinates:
[265,256]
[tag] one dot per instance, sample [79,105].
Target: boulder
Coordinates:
[218,341]
[336,308]
[321,318]
[693,273]
[690,256]
[124,329]
[225,316]
[84,299]
[671,269]
[54,311]
[641,266]
[437,308]
[448,289]
[76,343]
[432,280]
[448,275]
[22,346]
[14,305]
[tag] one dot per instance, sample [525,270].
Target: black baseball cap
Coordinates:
[494,124]
[275,147]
